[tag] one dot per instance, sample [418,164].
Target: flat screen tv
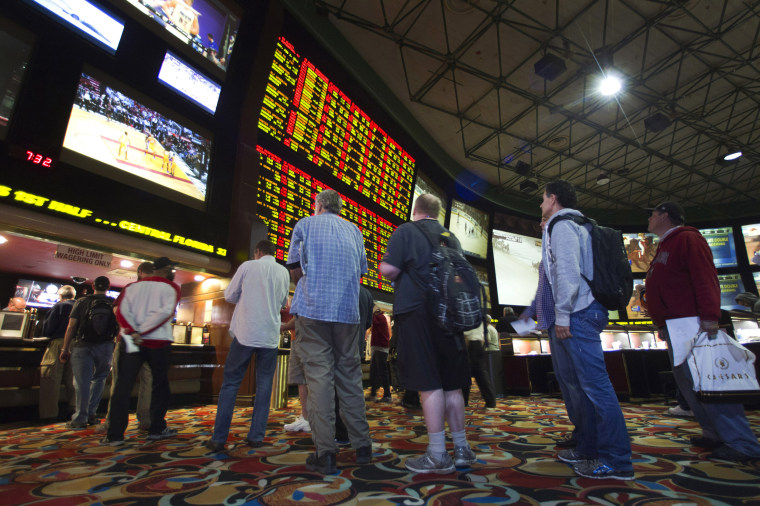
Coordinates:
[640,249]
[730,286]
[634,309]
[203,29]
[422,186]
[721,242]
[116,133]
[15,48]
[516,260]
[470,225]
[37,294]
[188,82]
[85,17]
[751,234]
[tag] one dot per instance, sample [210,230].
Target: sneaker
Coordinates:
[111,442]
[214,446]
[73,425]
[364,455]
[463,456]
[705,442]
[300,425]
[164,434]
[571,456]
[599,471]
[429,464]
[727,453]
[324,464]
[566,441]
[679,411]
[342,441]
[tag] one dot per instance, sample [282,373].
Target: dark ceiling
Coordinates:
[464,72]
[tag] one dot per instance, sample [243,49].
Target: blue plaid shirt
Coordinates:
[332,257]
[542,306]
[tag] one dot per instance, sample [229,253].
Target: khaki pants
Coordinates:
[52,372]
[145,384]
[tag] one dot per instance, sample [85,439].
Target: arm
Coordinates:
[295,274]
[51,322]
[566,248]
[235,288]
[389,271]
[71,330]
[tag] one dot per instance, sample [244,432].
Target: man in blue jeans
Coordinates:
[603,447]
[259,289]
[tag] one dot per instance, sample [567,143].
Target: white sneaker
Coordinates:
[300,425]
[679,411]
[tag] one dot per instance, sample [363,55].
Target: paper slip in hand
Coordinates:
[131,347]
[682,332]
[523,327]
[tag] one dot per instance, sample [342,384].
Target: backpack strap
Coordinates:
[578,220]
[412,273]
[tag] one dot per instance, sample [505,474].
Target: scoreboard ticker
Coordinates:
[310,115]
[286,194]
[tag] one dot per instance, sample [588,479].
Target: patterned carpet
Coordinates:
[516,463]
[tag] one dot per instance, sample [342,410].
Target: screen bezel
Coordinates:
[182,94]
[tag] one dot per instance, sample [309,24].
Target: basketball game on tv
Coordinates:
[112,128]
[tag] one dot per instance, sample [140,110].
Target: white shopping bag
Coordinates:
[722,369]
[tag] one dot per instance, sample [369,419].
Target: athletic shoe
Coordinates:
[324,464]
[571,456]
[300,425]
[72,425]
[566,441]
[111,442]
[364,455]
[463,456]
[164,434]
[679,411]
[214,446]
[599,471]
[727,453]
[429,464]
[705,442]
[342,441]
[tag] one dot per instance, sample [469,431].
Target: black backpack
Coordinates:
[613,280]
[454,295]
[99,323]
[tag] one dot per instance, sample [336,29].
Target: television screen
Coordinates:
[135,144]
[422,186]
[189,83]
[37,293]
[751,234]
[756,278]
[730,286]
[516,260]
[15,48]
[634,308]
[470,225]
[206,28]
[86,18]
[640,249]
[721,242]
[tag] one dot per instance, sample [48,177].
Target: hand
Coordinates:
[65,356]
[562,332]
[136,338]
[711,327]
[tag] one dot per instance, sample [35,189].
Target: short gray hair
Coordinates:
[67,292]
[330,200]
[428,204]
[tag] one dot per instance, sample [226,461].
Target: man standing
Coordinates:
[145,311]
[476,355]
[93,324]
[52,371]
[430,360]
[259,289]
[681,282]
[379,343]
[603,447]
[327,259]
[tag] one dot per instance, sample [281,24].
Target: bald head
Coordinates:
[16,304]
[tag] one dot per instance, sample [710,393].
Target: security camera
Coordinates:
[78,279]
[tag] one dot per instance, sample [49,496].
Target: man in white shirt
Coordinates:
[260,289]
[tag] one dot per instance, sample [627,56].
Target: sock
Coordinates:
[436,443]
[459,439]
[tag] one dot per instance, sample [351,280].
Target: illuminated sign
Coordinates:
[286,194]
[23,197]
[38,159]
[306,112]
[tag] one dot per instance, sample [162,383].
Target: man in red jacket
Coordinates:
[682,281]
[379,344]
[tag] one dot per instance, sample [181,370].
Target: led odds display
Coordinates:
[286,194]
[306,112]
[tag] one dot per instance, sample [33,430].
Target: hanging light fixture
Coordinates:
[603,178]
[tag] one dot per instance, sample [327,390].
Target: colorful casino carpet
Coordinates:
[514,442]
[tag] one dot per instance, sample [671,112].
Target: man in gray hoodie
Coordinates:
[604,448]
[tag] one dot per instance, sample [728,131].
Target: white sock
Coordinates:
[459,439]
[436,443]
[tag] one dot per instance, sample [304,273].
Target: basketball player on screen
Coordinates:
[123,145]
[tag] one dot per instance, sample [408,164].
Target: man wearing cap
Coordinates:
[682,282]
[52,371]
[89,336]
[144,311]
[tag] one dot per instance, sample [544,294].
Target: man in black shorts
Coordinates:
[430,361]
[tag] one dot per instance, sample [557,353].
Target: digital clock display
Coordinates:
[286,194]
[38,159]
[309,114]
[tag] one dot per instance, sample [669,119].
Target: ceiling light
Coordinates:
[603,178]
[728,157]
[610,85]
[549,67]
[3,239]
[198,277]
[126,264]
[732,156]
[528,186]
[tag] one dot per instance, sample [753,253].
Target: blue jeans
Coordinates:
[571,392]
[721,422]
[601,430]
[90,365]
[234,371]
